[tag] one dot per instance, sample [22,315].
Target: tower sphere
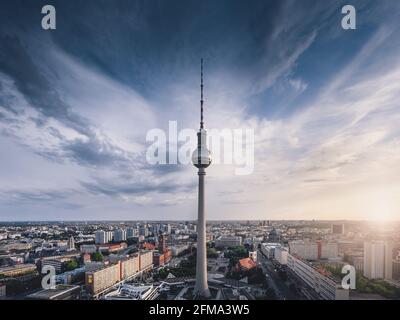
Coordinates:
[201,157]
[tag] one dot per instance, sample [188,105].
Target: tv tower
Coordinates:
[201,159]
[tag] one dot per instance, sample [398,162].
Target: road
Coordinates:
[280,287]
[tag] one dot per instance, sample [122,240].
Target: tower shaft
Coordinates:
[201,288]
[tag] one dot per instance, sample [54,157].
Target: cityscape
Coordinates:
[156,260]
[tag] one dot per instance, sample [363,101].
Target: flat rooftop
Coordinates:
[53,294]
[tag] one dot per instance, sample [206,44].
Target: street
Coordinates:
[280,287]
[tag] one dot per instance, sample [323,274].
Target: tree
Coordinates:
[212,253]
[96,256]
[71,265]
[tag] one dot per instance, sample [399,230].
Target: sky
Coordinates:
[76,104]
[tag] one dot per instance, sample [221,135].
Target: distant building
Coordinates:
[100,237]
[268,249]
[61,292]
[228,241]
[327,249]
[314,250]
[88,248]
[281,254]
[132,232]
[71,243]
[17,270]
[178,249]
[143,231]
[253,255]
[148,246]
[274,236]
[396,267]
[306,249]
[86,258]
[3,292]
[112,247]
[162,244]
[56,262]
[378,260]
[337,228]
[119,235]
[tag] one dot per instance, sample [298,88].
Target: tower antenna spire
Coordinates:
[201,96]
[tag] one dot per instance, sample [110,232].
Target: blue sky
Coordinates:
[76,104]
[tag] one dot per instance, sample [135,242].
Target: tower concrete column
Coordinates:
[201,288]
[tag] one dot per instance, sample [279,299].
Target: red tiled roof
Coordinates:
[247,263]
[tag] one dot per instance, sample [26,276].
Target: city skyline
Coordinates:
[75,110]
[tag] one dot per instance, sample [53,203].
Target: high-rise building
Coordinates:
[132,232]
[162,245]
[100,237]
[378,260]
[306,249]
[396,265]
[143,231]
[71,243]
[119,235]
[201,159]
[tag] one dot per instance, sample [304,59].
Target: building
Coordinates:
[396,269]
[228,241]
[306,249]
[112,247]
[56,262]
[148,246]
[3,292]
[327,249]
[319,283]
[144,231]
[268,249]
[61,292]
[178,249]
[281,254]
[378,260]
[273,236]
[71,244]
[160,259]
[100,237]
[88,248]
[337,228]
[314,250]
[17,270]
[145,260]
[253,255]
[132,232]
[119,235]
[99,280]
[86,258]
[246,264]
[130,266]
[162,243]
